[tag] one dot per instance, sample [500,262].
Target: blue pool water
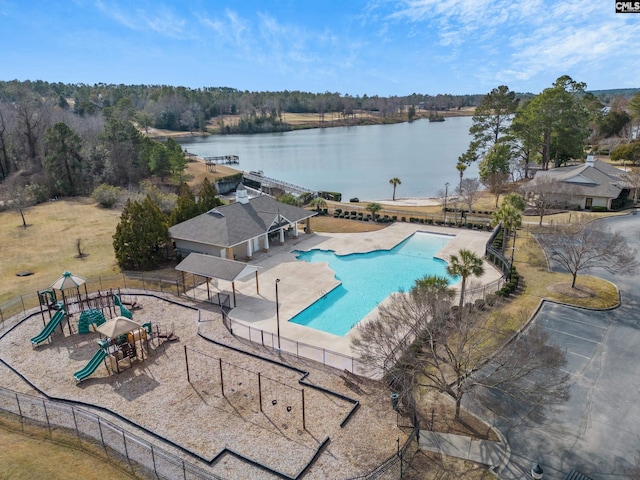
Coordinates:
[368,278]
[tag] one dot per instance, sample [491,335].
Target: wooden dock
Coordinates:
[211,162]
[272,186]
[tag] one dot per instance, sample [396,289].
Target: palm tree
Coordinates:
[461,167]
[433,292]
[318,203]
[395,181]
[511,218]
[464,265]
[374,208]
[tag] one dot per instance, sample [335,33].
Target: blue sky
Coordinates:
[376,47]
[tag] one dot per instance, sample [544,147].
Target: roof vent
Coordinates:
[590,159]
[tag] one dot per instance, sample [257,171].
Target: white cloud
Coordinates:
[160,19]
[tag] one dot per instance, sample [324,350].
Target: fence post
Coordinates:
[153,458]
[24,310]
[186,360]
[259,392]
[221,380]
[75,424]
[184,470]
[304,427]
[126,451]
[20,412]
[46,414]
[102,438]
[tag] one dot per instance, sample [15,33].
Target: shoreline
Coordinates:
[408,202]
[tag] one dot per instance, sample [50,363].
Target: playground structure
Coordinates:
[122,339]
[49,328]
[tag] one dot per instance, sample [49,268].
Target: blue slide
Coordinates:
[90,367]
[49,328]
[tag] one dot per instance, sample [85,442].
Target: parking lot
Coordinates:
[597,431]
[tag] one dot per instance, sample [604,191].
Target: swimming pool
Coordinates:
[368,278]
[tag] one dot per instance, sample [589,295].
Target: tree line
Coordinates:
[512,135]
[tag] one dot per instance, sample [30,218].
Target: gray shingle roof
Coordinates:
[235,223]
[215,267]
[590,180]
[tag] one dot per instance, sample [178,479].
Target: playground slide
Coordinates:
[49,328]
[90,367]
[124,311]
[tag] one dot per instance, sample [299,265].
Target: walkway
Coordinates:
[302,283]
[486,452]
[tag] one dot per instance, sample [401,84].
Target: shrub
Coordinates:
[106,195]
[491,299]
[598,209]
[479,304]
[403,219]
[39,192]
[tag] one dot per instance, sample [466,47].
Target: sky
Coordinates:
[355,47]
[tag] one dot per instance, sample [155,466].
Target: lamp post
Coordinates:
[513,248]
[278,314]
[446,195]
[536,472]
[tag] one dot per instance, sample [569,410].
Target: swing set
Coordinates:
[271,398]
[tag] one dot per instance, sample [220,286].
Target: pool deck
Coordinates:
[302,283]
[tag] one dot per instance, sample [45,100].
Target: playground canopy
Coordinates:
[68,280]
[117,326]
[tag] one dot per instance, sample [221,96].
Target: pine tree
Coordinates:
[141,236]
[186,207]
[207,197]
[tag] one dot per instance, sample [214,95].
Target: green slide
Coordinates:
[90,367]
[49,328]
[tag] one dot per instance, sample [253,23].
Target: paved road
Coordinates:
[597,431]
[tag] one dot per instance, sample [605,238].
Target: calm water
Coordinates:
[368,278]
[355,161]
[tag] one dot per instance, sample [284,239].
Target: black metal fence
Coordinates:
[61,419]
[293,347]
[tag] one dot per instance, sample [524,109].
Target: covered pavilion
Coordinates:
[211,267]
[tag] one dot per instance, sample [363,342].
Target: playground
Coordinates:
[175,371]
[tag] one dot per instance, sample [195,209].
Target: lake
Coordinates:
[355,161]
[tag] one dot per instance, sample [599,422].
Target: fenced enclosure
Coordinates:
[246,390]
[61,419]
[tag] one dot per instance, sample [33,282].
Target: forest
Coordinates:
[61,139]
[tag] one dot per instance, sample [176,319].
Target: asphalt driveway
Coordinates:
[597,431]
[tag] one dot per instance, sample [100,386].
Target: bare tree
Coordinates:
[543,193]
[496,183]
[381,342]
[18,198]
[417,342]
[470,191]
[583,245]
[632,177]
[458,355]
[633,473]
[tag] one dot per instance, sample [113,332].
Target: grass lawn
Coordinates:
[47,247]
[35,456]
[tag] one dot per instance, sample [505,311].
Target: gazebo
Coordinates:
[66,282]
[116,328]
